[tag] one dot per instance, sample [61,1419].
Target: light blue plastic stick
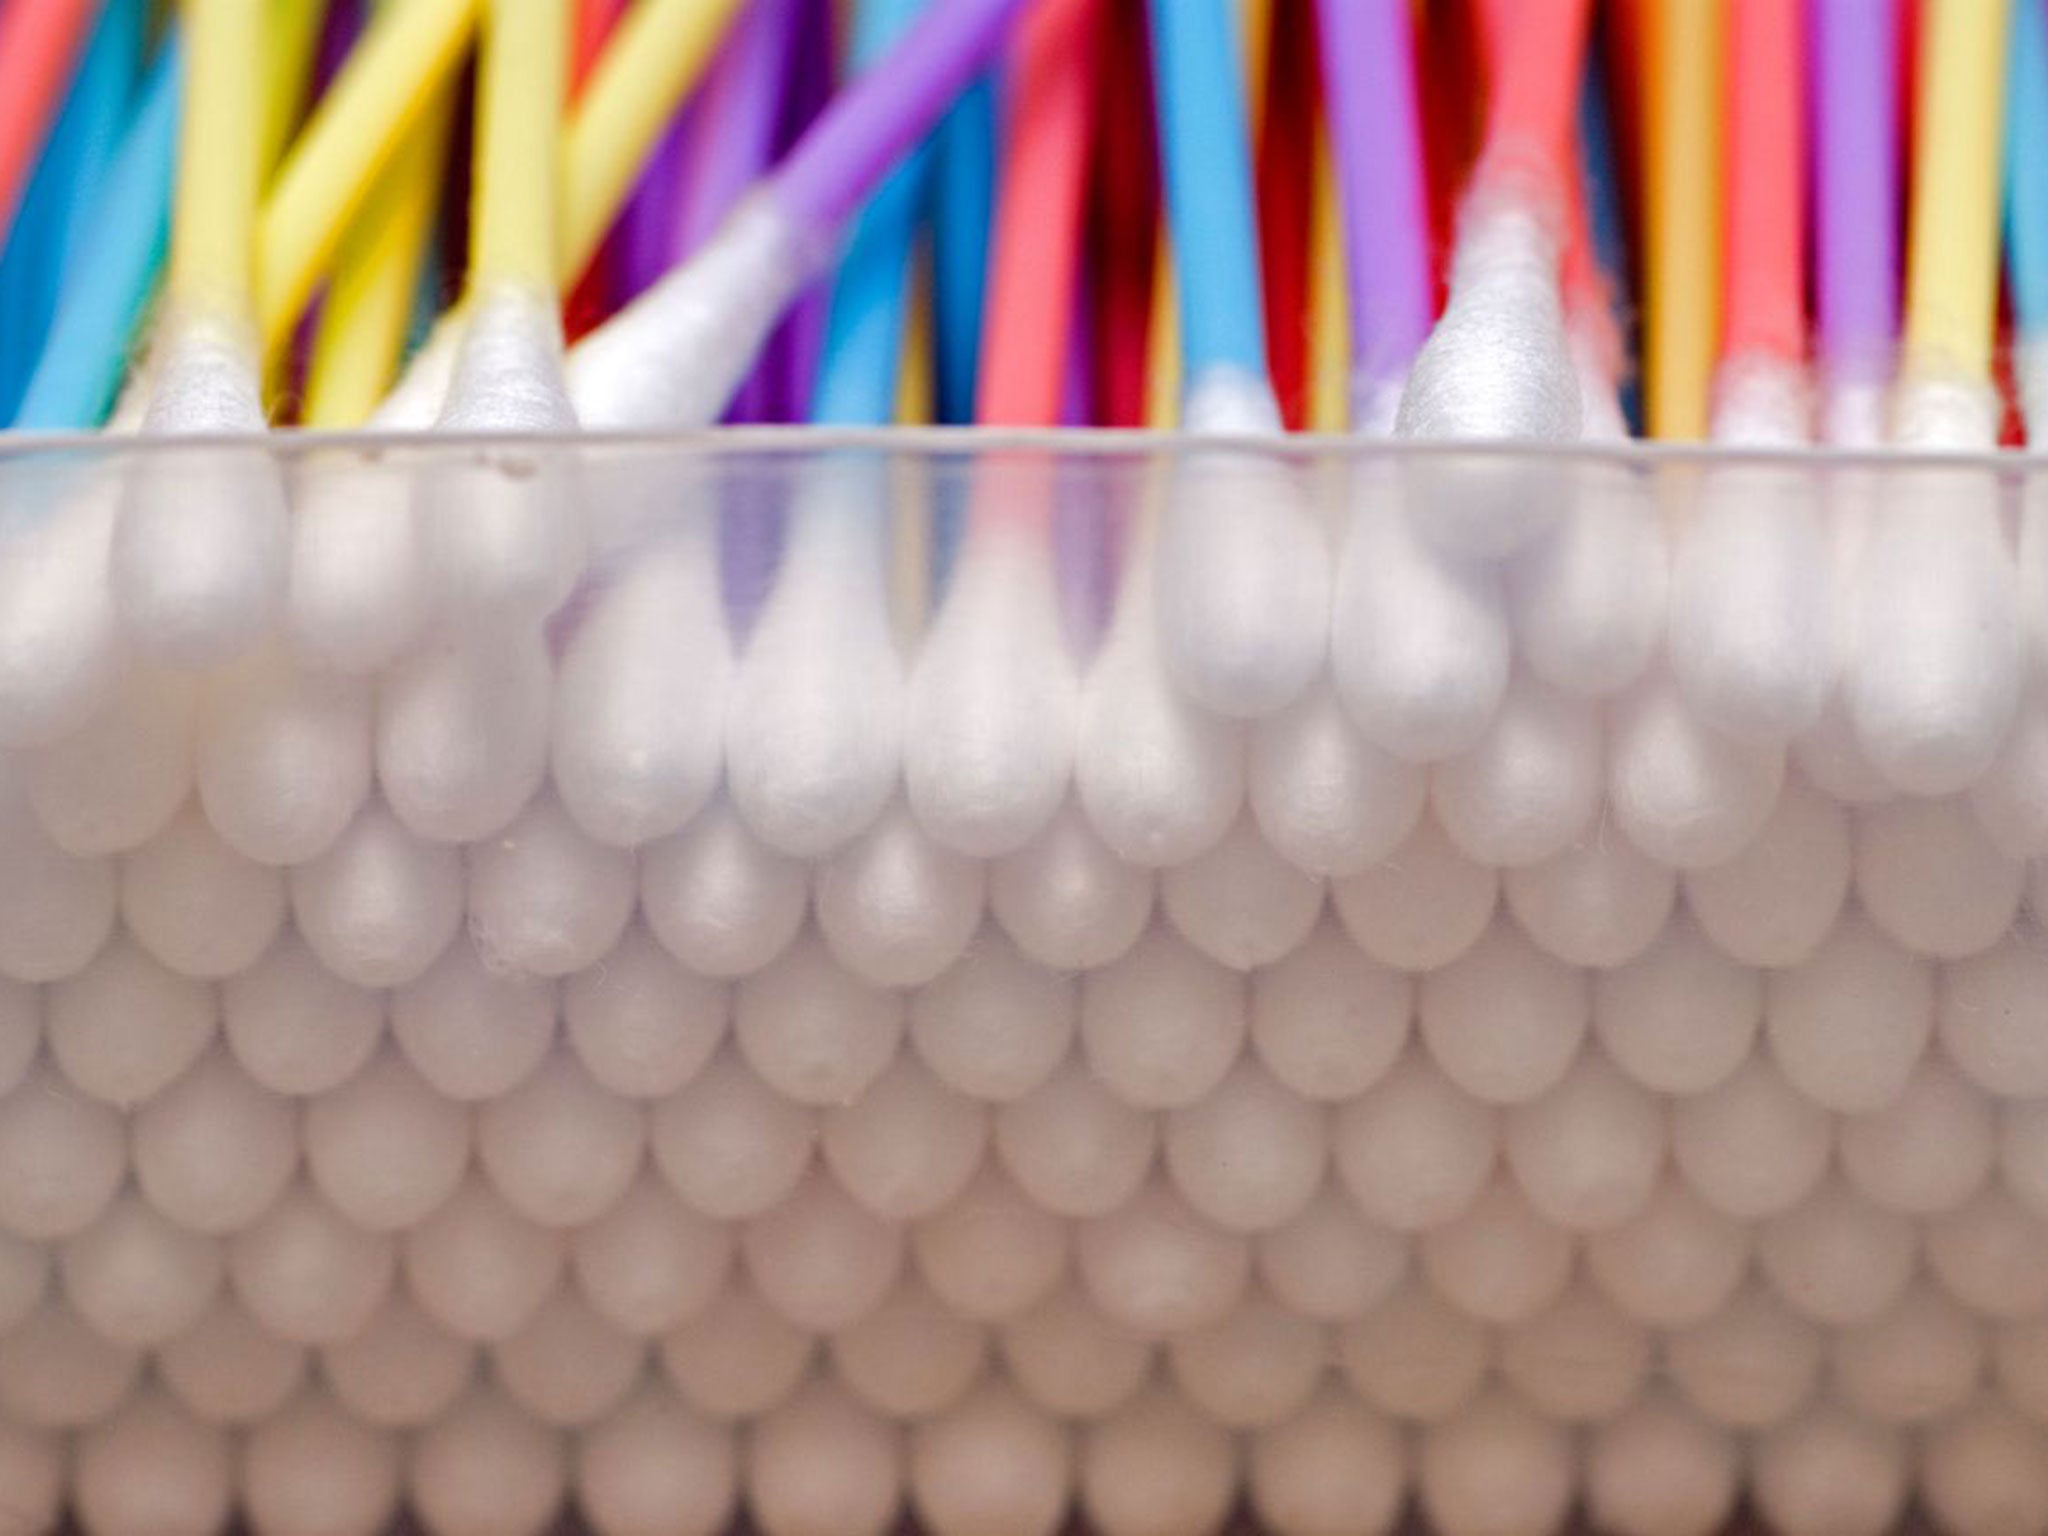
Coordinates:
[856,382]
[1206,147]
[108,286]
[2026,166]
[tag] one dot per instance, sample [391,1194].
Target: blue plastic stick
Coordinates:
[2026,165]
[1600,179]
[963,214]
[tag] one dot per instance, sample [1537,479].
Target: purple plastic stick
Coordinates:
[1368,55]
[647,228]
[739,110]
[1856,186]
[875,120]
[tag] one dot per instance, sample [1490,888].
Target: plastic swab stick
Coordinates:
[1684,49]
[1856,225]
[40,45]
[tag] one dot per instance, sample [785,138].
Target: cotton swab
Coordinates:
[1684,49]
[655,1466]
[40,44]
[1935,677]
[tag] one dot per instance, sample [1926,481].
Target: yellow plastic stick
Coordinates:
[373,105]
[1162,350]
[294,31]
[219,145]
[1682,291]
[521,84]
[1952,250]
[1329,305]
[659,49]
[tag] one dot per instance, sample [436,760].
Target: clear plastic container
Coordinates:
[991,975]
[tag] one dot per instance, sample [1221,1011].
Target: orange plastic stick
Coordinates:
[1533,53]
[1764,279]
[40,42]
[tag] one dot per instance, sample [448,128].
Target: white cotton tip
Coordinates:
[379,904]
[1336,1468]
[357,590]
[1985,1473]
[293,1025]
[126,1027]
[1162,1024]
[196,904]
[1581,1360]
[1933,878]
[1992,1256]
[117,779]
[57,1373]
[1505,1018]
[643,690]
[1419,644]
[1328,1263]
[989,736]
[2011,801]
[153,1470]
[895,905]
[2023,1154]
[913,1356]
[1919,1360]
[1498,1260]
[819,1259]
[1242,580]
[1847,1025]
[1681,1016]
[568,1366]
[728,1143]
[55,910]
[227,1368]
[992,1465]
[386,1147]
[24,1276]
[1686,794]
[1415,1149]
[1659,1469]
[1248,1156]
[1327,799]
[33,1464]
[1156,1467]
[1421,906]
[307,1273]
[814,1030]
[1414,1356]
[1752,1145]
[1829,1470]
[1928,1150]
[316,1471]
[1935,677]
[2019,1364]
[1241,903]
[1075,1147]
[462,733]
[1773,903]
[62,1157]
[1327,1020]
[1071,1360]
[1831,755]
[198,556]
[501,531]
[544,898]
[400,1370]
[1495,1468]
[650,1262]
[737,1358]
[815,733]
[821,1464]
[1675,1262]
[1587,1153]
[1589,601]
[1156,1267]
[1255,1368]
[994,1024]
[655,1468]
[1160,774]
[1992,1016]
[672,358]
[1598,904]
[60,633]
[641,1024]
[718,899]
[136,1278]
[487,1469]
[1749,1366]
[907,1145]
[471,1031]
[283,760]
[1066,899]
[478,1268]
[1531,785]
[1837,1257]
[560,1147]
[21,1031]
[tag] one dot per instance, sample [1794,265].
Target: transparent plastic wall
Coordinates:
[989,978]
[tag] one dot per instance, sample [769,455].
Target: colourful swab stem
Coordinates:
[291,41]
[1856,192]
[40,45]
[738,113]
[1682,213]
[1123,217]
[1329,316]
[1766,261]
[963,212]
[2026,154]
[595,295]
